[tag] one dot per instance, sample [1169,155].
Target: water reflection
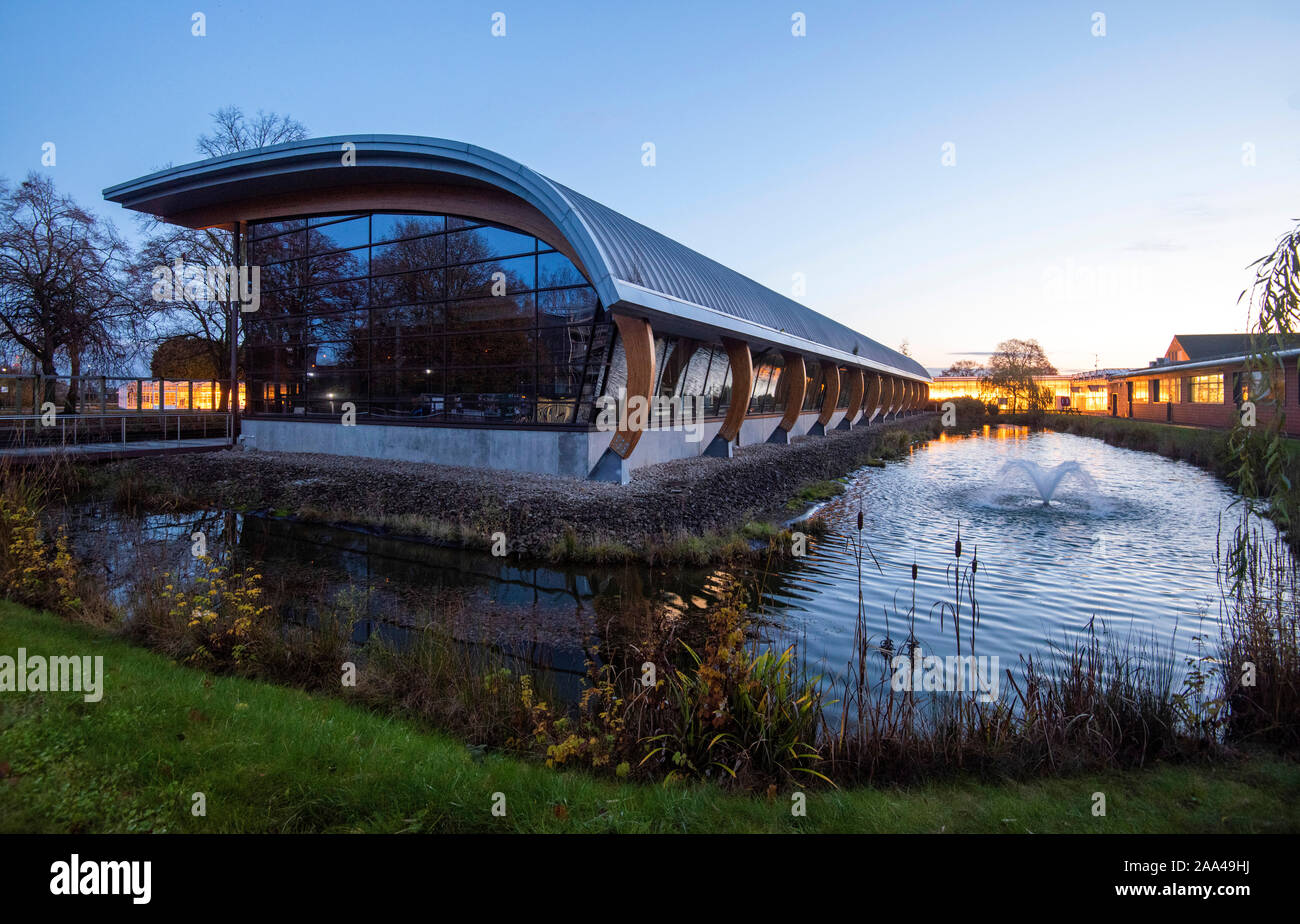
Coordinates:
[1135,549]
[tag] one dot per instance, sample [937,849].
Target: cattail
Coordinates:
[975,562]
[957,546]
[859,521]
[913,571]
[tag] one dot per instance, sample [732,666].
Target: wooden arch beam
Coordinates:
[856,384]
[874,382]
[742,387]
[832,394]
[639,350]
[794,382]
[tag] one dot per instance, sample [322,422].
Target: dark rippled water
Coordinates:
[1132,545]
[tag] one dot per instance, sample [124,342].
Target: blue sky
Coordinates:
[1099,200]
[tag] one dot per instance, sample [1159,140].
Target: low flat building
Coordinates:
[431,300]
[1084,391]
[1206,379]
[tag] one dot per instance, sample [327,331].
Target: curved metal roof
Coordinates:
[630,265]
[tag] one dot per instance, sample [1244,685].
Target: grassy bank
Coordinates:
[274,759]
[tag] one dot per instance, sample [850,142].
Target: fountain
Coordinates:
[1048,480]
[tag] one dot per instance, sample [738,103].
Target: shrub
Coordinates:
[33,570]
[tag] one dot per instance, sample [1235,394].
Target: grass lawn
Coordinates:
[274,759]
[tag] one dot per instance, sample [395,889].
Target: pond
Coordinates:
[1125,538]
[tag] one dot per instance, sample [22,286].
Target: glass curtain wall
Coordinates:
[419,318]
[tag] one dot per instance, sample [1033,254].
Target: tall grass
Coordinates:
[709,701]
[1260,638]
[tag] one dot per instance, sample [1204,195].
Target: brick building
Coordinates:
[1204,379]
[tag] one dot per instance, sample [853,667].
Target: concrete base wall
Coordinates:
[548,452]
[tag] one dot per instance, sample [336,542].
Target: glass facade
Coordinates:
[417,318]
[422,318]
[815,390]
[768,396]
[685,369]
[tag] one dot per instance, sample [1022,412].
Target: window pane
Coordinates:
[563,346]
[395,227]
[555,270]
[484,242]
[491,313]
[282,276]
[268,228]
[343,235]
[566,306]
[347,264]
[277,249]
[494,277]
[339,355]
[404,288]
[491,348]
[403,256]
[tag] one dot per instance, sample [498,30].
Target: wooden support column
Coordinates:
[872,407]
[832,376]
[892,396]
[742,387]
[793,386]
[639,350]
[856,384]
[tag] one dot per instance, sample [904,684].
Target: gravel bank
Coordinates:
[663,502]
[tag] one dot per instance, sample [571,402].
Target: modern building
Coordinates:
[431,300]
[1083,391]
[1204,380]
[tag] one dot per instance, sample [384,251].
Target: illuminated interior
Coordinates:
[177,396]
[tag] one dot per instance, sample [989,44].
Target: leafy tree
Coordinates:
[1262,456]
[183,357]
[1011,370]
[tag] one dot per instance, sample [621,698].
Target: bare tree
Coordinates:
[965,367]
[184,312]
[233,131]
[63,290]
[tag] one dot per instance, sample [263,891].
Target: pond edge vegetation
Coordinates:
[715,706]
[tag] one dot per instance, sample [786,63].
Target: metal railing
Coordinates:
[29,431]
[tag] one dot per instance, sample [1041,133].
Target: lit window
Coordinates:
[1207,389]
